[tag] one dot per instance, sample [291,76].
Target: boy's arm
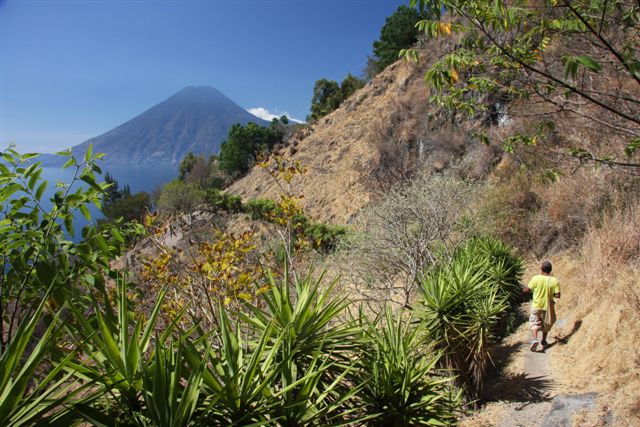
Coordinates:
[556,291]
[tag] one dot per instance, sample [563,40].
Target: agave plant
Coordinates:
[315,344]
[400,383]
[312,317]
[119,352]
[461,305]
[505,269]
[172,391]
[21,401]
[236,375]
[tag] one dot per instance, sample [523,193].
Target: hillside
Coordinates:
[585,220]
[196,119]
[377,137]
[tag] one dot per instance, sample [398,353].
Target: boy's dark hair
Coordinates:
[546,267]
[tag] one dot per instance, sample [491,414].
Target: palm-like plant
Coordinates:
[21,401]
[314,348]
[119,353]
[236,375]
[400,383]
[171,391]
[462,304]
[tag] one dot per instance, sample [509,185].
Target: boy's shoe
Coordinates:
[544,343]
[534,345]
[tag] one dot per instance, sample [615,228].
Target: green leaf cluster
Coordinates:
[463,303]
[244,144]
[398,32]
[554,52]
[328,95]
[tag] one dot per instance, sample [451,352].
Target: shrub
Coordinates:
[44,274]
[263,209]
[462,303]
[179,197]
[224,201]
[412,226]
[400,383]
[324,237]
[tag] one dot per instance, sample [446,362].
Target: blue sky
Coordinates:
[70,70]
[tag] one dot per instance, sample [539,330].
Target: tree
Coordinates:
[130,207]
[577,58]
[177,197]
[244,144]
[412,228]
[328,95]
[349,86]
[326,98]
[399,32]
[186,165]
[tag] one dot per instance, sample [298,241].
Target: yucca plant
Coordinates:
[119,352]
[25,397]
[314,318]
[505,269]
[171,391]
[308,399]
[400,383]
[236,375]
[461,304]
[315,344]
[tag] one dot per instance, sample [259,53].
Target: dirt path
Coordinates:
[526,392]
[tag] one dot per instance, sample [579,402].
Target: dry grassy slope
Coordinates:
[339,151]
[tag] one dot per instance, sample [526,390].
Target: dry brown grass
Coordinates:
[602,290]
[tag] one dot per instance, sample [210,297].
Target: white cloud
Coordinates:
[265,114]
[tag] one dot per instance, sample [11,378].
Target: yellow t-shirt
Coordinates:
[542,286]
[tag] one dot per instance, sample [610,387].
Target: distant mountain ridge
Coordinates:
[196,119]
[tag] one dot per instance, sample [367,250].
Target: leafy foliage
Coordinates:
[120,349]
[41,271]
[462,303]
[328,95]
[569,55]
[274,349]
[245,144]
[204,172]
[180,197]
[400,383]
[399,32]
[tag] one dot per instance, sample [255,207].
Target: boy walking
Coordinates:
[544,287]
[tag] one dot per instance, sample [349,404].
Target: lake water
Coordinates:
[139,178]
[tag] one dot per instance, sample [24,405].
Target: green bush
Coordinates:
[179,197]
[263,209]
[44,273]
[224,201]
[324,237]
[401,385]
[462,304]
[295,358]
